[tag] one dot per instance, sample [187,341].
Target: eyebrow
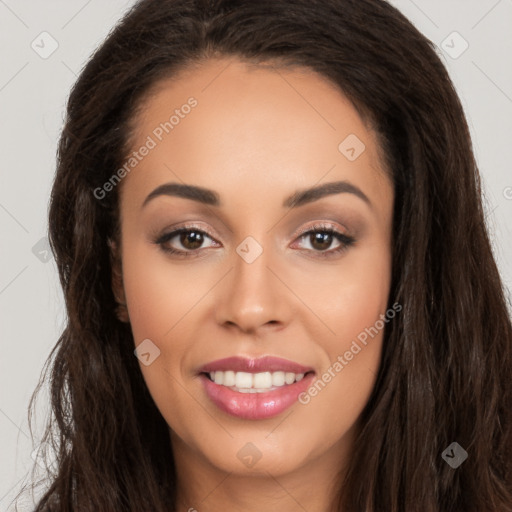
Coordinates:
[298,198]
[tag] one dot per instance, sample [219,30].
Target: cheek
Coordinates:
[164,299]
[358,297]
[159,294]
[347,297]
[351,302]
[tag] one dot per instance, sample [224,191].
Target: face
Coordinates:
[258,308]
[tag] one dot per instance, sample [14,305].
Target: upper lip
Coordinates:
[251,365]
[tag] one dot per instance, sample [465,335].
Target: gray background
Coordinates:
[33,91]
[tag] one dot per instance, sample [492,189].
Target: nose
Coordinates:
[253,297]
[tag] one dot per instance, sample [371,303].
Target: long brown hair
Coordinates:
[445,371]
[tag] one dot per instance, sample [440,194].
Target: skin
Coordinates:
[255,137]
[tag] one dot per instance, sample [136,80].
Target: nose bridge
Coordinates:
[252,298]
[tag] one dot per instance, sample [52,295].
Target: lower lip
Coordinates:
[255,406]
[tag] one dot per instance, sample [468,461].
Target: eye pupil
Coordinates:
[323,239]
[195,238]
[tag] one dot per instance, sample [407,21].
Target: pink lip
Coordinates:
[255,406]
[262,364]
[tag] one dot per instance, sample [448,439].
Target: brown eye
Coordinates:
[321,240]
[324,241]
[186,241]
[191,239]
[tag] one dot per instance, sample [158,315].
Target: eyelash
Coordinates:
[345,240]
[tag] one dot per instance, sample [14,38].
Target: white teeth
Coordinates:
[242,380]
[229,378]
[254,382]
[262,380]
[289,378]
[278,379]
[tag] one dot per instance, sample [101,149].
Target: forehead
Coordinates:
[251,126]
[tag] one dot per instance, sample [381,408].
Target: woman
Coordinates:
[280,289]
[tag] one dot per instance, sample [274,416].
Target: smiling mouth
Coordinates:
[262,382]
[255,396]
[254,388]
